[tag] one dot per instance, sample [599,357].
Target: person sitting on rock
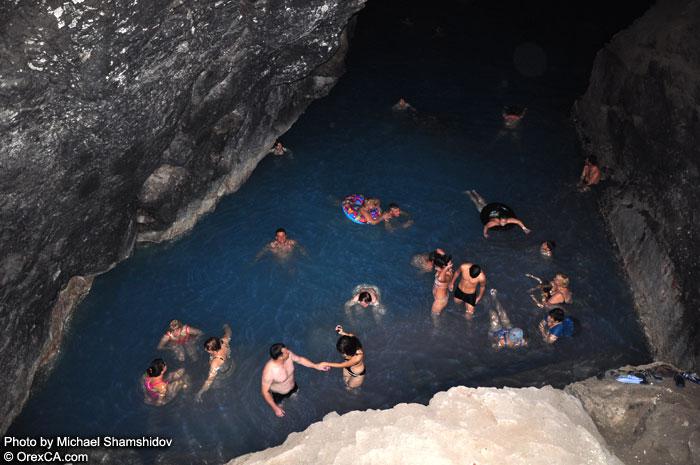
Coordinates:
[180,338]
[590,175]
[556,325]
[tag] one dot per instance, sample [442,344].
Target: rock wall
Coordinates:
[645,424]
[641,117]
[125,121]
[484,426]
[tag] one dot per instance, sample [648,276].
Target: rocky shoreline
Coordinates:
[134,119]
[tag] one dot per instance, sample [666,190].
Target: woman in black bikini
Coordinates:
[219,351]
[354,365]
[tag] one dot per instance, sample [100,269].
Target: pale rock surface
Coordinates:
[465,426]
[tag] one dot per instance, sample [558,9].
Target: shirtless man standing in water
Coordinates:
[278,376]
[465,293]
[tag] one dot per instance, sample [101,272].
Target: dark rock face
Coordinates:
[126,120]
[646,424]
[641,117]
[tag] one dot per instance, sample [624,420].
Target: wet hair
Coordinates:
[280,230]
[432,255]
[365,297]
[213,343]
[474,271]
[557,314]
[348,345]
[593,160]
[175,324]
[550,244]
[156,368]
[392,205]
[562,278]
[276,350]
[442,260]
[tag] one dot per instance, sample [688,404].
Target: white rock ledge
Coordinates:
[465,426]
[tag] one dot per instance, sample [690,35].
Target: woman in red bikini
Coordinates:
[180,339]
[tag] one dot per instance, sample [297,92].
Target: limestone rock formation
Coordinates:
[484,426]
[127,119]
[645,424]
[641,117]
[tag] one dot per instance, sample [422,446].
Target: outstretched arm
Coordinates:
[264,250]
[352,361]
[519,223]
[227,332]
[213,371]
[195,332]
[306,362]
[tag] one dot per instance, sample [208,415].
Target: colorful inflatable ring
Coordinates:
[351,208]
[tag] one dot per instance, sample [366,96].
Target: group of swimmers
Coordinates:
[467,283]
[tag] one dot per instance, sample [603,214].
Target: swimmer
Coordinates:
[557,292]
[277,381]
[590,175]
[394,211]
[159,388]
[371,211]
[512,116]
[278,149]
[465,292]
[403,105]
[443,277]
[547,248]
[281,246]
[556,325]
[219,350]
[501,330]
[364,297]
[497,216]
[426,261]
[353,367]
[180,338]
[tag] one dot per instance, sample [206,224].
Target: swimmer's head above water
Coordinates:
[348,345]
[442,261]
[547,248]
[279,351]
[157,368]
[213,344]
[364,298]
[394,210]
[474,271]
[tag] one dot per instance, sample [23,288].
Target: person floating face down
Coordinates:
[501,331]
[277,383]
[353,367]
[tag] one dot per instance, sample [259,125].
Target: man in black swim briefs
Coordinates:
[278,376]
[465,292]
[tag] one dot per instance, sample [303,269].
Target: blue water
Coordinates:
[346,143]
